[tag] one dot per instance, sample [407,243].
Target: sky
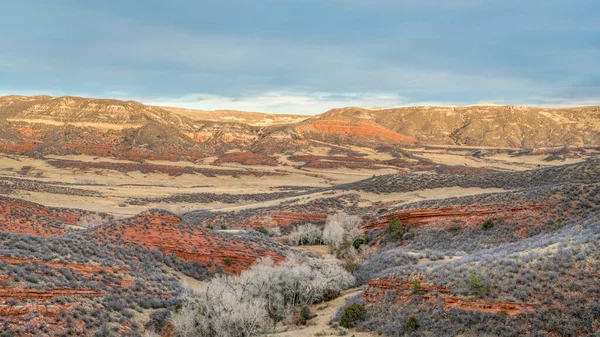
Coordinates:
[292,56]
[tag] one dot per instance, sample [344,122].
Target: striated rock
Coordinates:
[38,294]
[379,290]
[471,215]
[168,233]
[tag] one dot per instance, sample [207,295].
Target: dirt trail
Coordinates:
[319,326]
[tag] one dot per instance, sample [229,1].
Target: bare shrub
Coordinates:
[90,220]
[340,231]
[256,300]
[308,234]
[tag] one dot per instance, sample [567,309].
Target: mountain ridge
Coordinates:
[504,126]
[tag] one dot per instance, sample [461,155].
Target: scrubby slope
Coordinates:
[542,286]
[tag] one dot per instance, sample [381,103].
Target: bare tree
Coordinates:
[253,302]
[340,230]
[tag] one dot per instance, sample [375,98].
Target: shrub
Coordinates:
[352,313]
[412,323]
[416,286]
[227,262]
[477,285]
[361,240]
[262,230]
[341,227]
[487,224]
[305,314]
[396,229]
[308,234]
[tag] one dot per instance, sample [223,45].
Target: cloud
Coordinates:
[459,51]
[308,104]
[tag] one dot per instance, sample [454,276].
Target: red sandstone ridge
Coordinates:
[471,215]
[168,233]
[431,293]
[360,129]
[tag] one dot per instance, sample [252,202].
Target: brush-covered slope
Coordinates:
[516,263]
[18,216]
[105,279]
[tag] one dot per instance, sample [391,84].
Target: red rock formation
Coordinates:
[49,310]
[403,292]
[471,215]
[167,233]
[38,294]
[360,129]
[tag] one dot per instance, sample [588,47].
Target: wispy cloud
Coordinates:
[312,103]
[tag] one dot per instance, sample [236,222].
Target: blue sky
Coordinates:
[304,56]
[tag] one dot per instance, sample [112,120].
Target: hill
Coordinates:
[480,125]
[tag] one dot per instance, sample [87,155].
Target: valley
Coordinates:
[120,219]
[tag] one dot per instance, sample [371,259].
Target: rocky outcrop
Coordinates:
[168,233]
[392,290]
[359,129]
[468,216]
[42,295]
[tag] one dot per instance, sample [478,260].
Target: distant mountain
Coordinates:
[41,125]
[478,125]
[99,113]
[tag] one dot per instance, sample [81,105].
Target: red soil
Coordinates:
[25,218]
[360,129]
[245,158]
[403,292]
[167,233]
